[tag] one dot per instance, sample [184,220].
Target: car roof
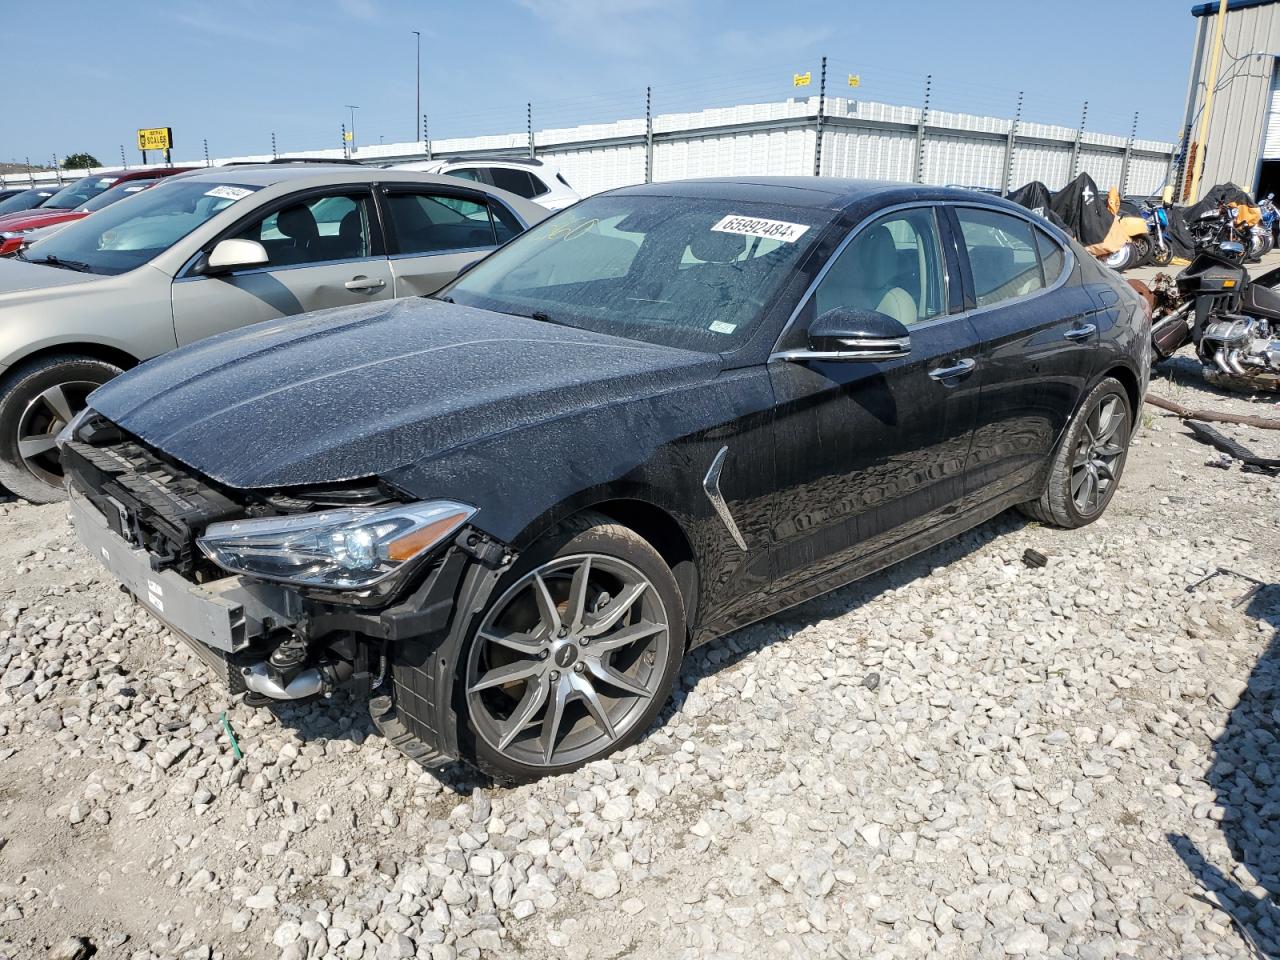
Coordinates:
[266,175]
[829,193]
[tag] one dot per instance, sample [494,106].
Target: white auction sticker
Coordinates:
[756,227]
[719,326]
[228,193]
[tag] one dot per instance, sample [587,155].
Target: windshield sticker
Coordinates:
[719,326]
[133,189]
[228,193]
[106,181]
[756,227]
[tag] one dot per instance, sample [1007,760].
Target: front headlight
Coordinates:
[339,549]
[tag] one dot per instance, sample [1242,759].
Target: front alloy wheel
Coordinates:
[575,658]
[1100,444]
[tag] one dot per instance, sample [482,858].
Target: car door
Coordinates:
[435,232]
[1038,328]
[871,453]
[323,248]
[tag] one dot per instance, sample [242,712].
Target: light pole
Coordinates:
[353,108]
[418,109]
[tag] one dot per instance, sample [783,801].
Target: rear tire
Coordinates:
[1090,457]
[1143,248]
[36,401]
[539,644]
[1122,259]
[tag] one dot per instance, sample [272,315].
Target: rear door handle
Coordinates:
[962,368]
[1081,333]
[364,283]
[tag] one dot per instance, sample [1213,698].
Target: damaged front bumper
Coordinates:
[276,641]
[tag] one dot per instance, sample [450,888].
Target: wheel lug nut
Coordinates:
[555,674]
[542,654]
[585,641]
[577,668]
[564,632]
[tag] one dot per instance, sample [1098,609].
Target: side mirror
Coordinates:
[848,334]
[234,255]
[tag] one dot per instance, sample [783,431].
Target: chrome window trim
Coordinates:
[441,253]
[276,269]
[854,231]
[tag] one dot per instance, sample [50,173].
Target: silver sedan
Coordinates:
[208,252]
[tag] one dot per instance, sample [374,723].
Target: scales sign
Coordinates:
[155,138]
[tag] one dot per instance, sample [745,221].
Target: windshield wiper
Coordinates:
[77,265]
[544,318]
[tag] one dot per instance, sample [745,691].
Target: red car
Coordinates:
[77,200]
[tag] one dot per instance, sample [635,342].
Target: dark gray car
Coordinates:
[209,252]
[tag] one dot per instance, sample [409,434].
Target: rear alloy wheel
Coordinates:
[1142,247]
[576,656]
[36,402]
[1087,465]
[1161,256]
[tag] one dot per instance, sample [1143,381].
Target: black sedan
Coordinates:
[505,512]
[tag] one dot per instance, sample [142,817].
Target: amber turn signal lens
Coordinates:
[411,544]
[1228,283]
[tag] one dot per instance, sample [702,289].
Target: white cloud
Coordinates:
[622,27]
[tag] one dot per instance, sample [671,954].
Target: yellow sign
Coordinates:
[348,136]
[155,138]
[802,79]
[855,80]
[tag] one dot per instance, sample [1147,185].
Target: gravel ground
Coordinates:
[963,756]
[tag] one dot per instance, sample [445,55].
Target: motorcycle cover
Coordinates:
[1035,196]
[1083,210]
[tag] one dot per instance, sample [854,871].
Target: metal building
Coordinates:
[1243,141]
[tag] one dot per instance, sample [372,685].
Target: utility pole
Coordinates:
[1198,162]
[273,144]
[920,128]
[30,176]
[206,153]
[822,105]
[57,169]
[1010,146]
[528,121]
[345,155]
[353,108]
[426,135]
[648,134]
[123,162]
[417,112]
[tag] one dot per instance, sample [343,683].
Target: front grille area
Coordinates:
[148,501]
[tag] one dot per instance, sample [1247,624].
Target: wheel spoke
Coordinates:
[55,398]
[546,605]
[1078,480]
[627,635]
[534,696]
[617,607]
[29,447]
[551,721]
[606,674]
[577,606]
[519,642]
[1111,410]
[512,672]
[1081,457]
[587,691]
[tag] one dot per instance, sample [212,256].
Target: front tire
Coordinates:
[1086,467]
[1161,256]
[574,657]
[37,400]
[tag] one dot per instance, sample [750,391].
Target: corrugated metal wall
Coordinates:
[1251,38]
[861,139]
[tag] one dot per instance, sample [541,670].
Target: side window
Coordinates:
[504,221]
[519,182]
[893,266]
[433,223]
[1002,255]
[464,173]
[316,230]
[1052,259]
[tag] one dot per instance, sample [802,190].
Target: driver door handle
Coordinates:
[365,283]
[962,368]
[1081,333]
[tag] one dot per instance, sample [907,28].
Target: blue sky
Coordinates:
[233,71]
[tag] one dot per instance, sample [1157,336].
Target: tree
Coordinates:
[80,161]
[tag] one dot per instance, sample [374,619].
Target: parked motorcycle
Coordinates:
[1263,235]
[1157,217]
[1233,320]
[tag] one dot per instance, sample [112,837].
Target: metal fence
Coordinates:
[797,137]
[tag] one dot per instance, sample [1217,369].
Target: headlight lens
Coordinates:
[340,549]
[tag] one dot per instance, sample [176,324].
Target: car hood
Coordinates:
[16,275]
[33,220]
[361,391]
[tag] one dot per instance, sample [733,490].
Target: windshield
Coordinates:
[118,192]
[127,234]
[25,200]
[674,271]
[82,191]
